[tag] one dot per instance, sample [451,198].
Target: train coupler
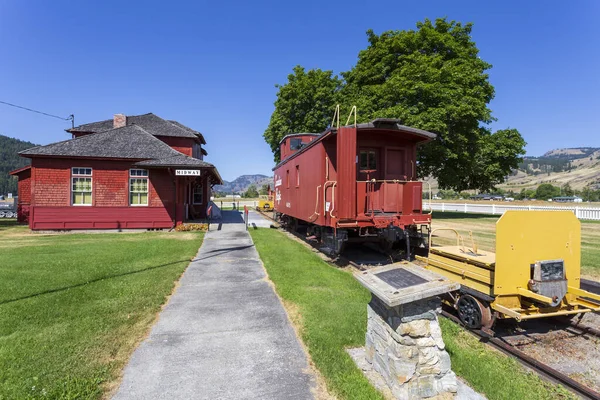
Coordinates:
[334,242]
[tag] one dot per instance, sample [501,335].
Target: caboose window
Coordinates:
[368,160]
[295,144]
[297,175]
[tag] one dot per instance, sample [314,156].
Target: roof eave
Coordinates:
[19,170]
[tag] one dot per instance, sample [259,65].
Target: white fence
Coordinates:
[584,213]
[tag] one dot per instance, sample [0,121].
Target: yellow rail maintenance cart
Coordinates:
[534,273]
[265,203]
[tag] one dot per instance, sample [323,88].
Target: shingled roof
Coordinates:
[129,142]
[151,123]
[200,136]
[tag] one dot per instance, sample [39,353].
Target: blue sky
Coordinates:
[213,65]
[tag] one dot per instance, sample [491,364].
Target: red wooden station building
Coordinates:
[139,171]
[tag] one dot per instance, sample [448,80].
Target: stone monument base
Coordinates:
[405,346]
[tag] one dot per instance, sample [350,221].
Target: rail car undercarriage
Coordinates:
[398,242]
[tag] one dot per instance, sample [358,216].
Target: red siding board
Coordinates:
[181,144]
[51,197]
[100,218]
[346,171]
[24,193]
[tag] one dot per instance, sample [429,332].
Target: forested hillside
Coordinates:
[10,160]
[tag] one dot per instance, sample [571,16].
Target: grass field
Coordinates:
[484,232]
[329,308]
[74,306]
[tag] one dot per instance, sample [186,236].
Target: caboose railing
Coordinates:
[371,191]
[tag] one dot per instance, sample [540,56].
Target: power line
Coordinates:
[69,118]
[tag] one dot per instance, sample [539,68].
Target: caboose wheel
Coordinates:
[473,313]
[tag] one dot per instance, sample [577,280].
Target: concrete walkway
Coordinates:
[224,333]
[256,220]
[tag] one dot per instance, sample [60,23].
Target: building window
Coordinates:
[368,160]
[138,187]
[198,194]
[297,175]
[81,186]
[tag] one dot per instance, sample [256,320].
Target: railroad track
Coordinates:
[530,362]
[542,369]
[583,330]
[590,286]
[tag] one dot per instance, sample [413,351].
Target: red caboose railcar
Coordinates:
[354,184]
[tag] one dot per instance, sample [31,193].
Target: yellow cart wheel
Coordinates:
[473,313]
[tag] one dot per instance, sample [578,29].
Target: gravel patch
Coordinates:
[564,349]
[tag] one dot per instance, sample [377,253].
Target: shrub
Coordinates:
[192,227]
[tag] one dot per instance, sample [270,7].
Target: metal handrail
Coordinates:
[353,111]
[402,181]
[430,208]
[336,114]
[386,181]
[332,199]
[316,213]
[458,236]
[325,194]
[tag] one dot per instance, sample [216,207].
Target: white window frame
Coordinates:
[194,194]
[79,175]
[145,175]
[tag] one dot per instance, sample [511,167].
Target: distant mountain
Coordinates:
[570,153]
[580,167]
[10,160]
[241,183]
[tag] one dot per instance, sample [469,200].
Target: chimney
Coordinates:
[119,120]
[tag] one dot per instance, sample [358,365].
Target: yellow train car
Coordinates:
[534,273]
[265,203]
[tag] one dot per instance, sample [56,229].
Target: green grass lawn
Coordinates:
[484,231]
[330,307]
[74,306]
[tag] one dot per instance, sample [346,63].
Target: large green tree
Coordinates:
[430,78]
[304,104]
[10,160]
[433,78]
[251,192]
[546,191]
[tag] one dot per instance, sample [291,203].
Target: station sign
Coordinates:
[187,172]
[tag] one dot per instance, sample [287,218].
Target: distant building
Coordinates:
[567,199]
[127,172]
[487,196]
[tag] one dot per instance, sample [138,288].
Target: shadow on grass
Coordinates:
[460,215]
[7,223]
[90,282]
